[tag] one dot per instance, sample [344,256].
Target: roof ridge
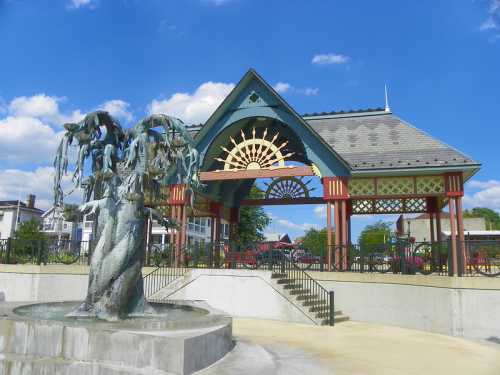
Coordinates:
[342,112]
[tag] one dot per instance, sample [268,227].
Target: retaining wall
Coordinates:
[465,307]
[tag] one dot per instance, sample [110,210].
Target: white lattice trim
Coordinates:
[361,187]
[395,186]
[430,185]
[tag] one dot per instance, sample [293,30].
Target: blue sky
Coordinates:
[62,58]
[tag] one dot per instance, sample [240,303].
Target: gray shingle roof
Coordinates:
[368,141]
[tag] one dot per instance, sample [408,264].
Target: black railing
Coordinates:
[44,251]
[158,279]
[400,257]
[313,296]
[482,257]
[474,258]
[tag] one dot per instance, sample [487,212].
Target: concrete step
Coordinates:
[315,307]
[292,286]
[299,291]
[278,275]
[285,281]
[304,297]
[326,314]
[313,302]
[338,319]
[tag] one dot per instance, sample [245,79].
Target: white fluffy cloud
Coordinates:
[76,4]
[15,183]
[284,87]
[320,211]
[193,108]
[492,22]
[329,58]
[42,107]
[118,108]
[298,226]
[25,139]
[487,194]
[217,2]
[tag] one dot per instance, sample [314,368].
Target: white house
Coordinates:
[14,212]
[55,226]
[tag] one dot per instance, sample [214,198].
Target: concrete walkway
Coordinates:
[351,348]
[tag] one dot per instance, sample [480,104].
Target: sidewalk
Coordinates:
[352,348]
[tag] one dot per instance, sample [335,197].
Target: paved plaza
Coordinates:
[351,348]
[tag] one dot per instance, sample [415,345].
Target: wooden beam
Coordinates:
[281,202]
[248,174]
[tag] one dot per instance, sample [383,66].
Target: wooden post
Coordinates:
[329,234]
[183,240]
[345,234]
[460,229]
[431,225]
[438,226]
[217,240]
[453,228]
[337,234]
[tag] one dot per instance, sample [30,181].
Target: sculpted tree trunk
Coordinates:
[115,288]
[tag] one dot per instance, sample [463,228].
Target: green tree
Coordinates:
[71,213]
[375,234]
[253,221]
[29,231]
[28,241]
[492,218]
[315,241]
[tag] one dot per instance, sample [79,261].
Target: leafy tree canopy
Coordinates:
[253,221]
[29,231]
[71,213]
[492,218]
[315,241]
[375,234]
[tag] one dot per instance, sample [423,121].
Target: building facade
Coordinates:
[419,227]
[15,212]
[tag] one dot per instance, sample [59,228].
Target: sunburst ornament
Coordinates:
[288,188]
[254,153]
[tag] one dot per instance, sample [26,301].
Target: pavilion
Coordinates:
[368,162]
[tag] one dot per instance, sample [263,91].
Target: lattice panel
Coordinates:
[430,185]
[388,206]
[415,205]
[361,187]
[395,186]
[362,206]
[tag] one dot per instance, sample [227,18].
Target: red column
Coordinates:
[454,190]
[183,241]
[460,228]
[431,224]
[337,234]
[329,234]
[336,189]
[345,234]
[438,226]
[453,228]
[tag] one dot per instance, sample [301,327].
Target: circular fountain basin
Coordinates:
[180,337]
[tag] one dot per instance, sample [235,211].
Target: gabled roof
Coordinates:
[379,140]
[250,75]
[372,141]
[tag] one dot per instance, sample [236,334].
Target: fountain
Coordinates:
[115,329]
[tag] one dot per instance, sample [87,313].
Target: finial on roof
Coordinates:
[387,108]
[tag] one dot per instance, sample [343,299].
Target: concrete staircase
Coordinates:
[310,303]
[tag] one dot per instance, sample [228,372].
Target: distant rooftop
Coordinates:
[376,139]
[353,111]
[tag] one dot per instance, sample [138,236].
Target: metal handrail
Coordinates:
[317,298]
[159,278]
